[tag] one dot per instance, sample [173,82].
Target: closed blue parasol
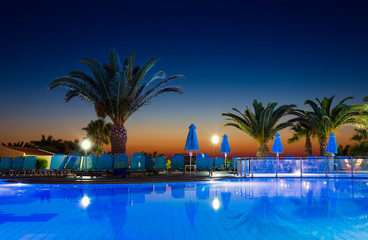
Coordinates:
[277,148]
[225,147]
[192,142]
[332,145]
[277,145]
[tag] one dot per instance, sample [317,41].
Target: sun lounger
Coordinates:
[160,163]
[104,166]
[177,163]
[121,164]
[204,163]
[88,164]
[17,166]
[5,165]
[148,162]
[219,163]
[57,163]
[137,164]
[29,165]
[73,162]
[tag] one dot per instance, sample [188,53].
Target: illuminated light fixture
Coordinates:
[86,144]
[216,204]
[215,139]
[85,201]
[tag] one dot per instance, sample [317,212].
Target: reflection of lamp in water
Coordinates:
[85,201]
[216,203]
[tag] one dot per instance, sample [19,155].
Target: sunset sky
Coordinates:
[231,52]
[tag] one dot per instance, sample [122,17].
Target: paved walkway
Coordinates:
[134,178]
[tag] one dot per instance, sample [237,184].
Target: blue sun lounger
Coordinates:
[121,165]
[148,162]
[204,163]
[5,165]
[29,165]
[88,164]
[104,166]
[137,164]
[57,163]
[160,163]
[73,162]
[219,163]
[17,166]
[177,163]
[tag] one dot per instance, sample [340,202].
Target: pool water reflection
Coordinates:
[227,209]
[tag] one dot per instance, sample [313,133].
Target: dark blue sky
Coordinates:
[231,52]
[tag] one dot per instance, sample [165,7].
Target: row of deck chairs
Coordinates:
[18,165]
[93,166]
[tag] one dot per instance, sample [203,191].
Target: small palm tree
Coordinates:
[262,125]
[300,131]
[361,142]
[98,131]
[116,90]
[49,144]
[325,119]
[17,144]
[343,151]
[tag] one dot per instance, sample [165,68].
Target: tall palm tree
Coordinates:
[116,90]
[262,125]
[325,119]
[98,131]
[300,131]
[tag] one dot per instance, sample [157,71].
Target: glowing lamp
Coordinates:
[215,139]
[86,144]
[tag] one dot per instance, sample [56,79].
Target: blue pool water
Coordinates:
[227,209]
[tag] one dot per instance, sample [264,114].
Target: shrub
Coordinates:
[41,164]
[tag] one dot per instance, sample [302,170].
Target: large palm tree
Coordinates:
[116,90]
[98,131]
[325,119]
[300,131]
[262,125]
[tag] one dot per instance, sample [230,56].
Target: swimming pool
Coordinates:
[226,209]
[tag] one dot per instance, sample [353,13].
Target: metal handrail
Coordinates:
[313,166]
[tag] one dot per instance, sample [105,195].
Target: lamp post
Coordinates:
[86,144]
[215,140]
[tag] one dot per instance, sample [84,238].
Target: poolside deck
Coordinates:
[162,177]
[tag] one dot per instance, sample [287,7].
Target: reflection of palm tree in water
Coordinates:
[263,221]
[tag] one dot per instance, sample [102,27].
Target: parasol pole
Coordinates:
[190,162]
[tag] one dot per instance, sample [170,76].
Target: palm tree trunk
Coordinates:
[118,139]
[322,145]
[263,151]
[308,147]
